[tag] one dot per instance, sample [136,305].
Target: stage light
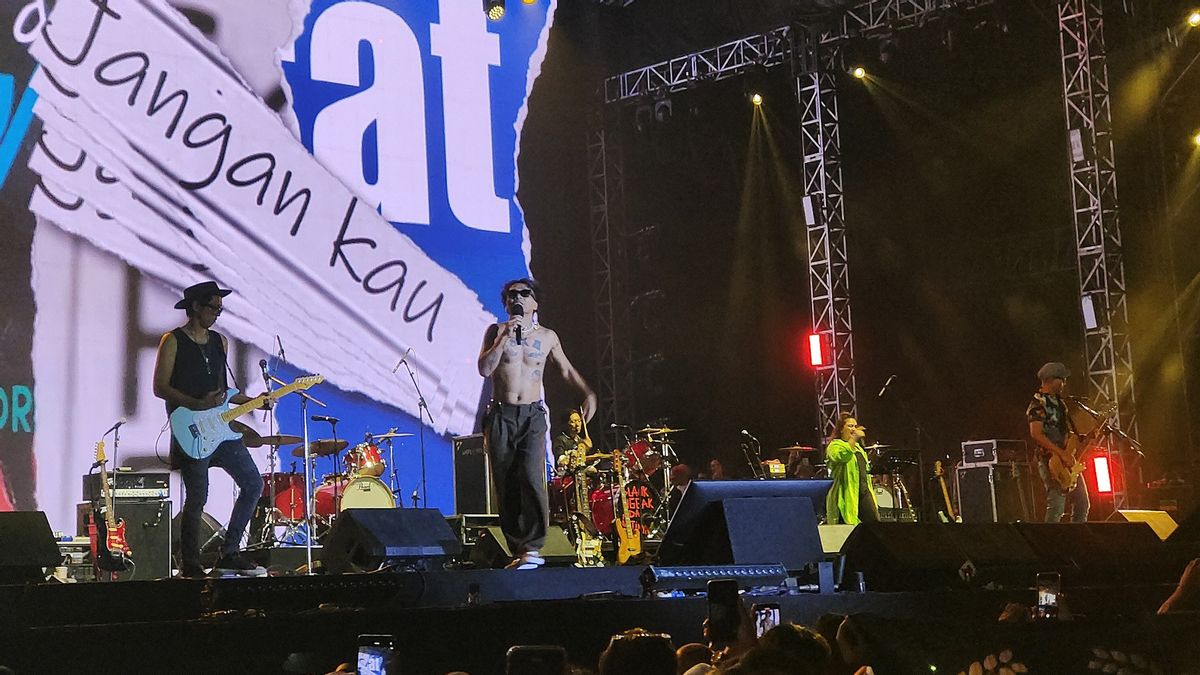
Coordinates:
[529,2]
[1103,477]
[1193,19]
[1196,138]
[859,72]
[494,9]
[756,98]
[818,351]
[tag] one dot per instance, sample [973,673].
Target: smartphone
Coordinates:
[766,617]
[376,655]
[535,660]
[723,610]
[1049,584]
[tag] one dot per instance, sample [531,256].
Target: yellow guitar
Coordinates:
[629,537]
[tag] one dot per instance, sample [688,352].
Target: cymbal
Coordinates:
[280,439]
[876,446]
[390,434]
[662,430]
[798,448]
[321,448]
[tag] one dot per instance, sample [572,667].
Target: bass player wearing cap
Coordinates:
[1049,426]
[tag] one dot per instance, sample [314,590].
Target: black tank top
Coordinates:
[199,369]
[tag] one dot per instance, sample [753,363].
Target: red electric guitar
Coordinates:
[110,551]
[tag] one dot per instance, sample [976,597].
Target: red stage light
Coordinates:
[818,355]
[1103,477]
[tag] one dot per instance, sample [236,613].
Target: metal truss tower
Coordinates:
[1101,271]
[817,69]
[606,197]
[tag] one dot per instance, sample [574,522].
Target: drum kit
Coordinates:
[586,491]
[357,482]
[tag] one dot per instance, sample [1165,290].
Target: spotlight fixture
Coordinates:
[859,72]
[756,98]
[1193,19]
[494,9]
[1196,138]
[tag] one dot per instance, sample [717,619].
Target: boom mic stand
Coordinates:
[422,413]
[309,513]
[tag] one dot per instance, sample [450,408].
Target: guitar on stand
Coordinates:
[199,432]
[110,551]
[587,543]
[948,515]
[629,537]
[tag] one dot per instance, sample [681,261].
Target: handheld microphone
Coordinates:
[402,360]
[115,426]
[282,354]
[324,418]
[885,386]
[518,310]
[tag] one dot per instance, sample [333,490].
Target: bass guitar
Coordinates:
[587,541]
[629,537]
[199,432]
[948,515]
[110,551]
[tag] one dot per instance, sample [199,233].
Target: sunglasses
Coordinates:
[520,292]
[216,310]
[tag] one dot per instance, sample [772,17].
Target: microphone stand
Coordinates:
[309,514]
[272,457]
[422,413]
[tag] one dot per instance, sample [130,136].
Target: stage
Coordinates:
[466,619]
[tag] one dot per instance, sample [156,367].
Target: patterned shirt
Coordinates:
[1050,410]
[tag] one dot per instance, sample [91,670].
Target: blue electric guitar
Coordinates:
[199,432]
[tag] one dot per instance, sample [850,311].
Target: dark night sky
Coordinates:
[955,178]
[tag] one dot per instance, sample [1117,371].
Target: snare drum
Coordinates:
[363,492]
[364,460]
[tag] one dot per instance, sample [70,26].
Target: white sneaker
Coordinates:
[529,560]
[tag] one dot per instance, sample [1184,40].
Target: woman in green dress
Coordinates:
[851,499]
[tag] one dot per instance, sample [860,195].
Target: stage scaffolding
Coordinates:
[814,52]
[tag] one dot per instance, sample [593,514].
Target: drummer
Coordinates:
[568,441]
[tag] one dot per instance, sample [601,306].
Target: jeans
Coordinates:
[516,442]
[233,457]
[1056,499]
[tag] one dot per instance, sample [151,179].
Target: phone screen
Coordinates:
[375,655]
[1048,586]
[723,614]
[766,617]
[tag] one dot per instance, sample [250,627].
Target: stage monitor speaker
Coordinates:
[473,491]
[748,531]
[1188,531]
[1160,521]
[1100,552]
[491,548]
[1002,493]
[367,539]
[147,531]
[26,546]
[907,556]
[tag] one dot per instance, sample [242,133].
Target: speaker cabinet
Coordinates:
[1002,493]
[147,531]
[367,539]
[26,546]
[747,531]
[473,491]
[491,548]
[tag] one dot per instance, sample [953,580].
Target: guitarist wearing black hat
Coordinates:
[1049,426]
[190,372]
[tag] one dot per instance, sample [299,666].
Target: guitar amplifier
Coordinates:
[129,485]
[472,476]
[147,531]
[995,494]
[992,452]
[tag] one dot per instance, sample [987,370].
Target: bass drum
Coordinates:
[364,492]
[642,500]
